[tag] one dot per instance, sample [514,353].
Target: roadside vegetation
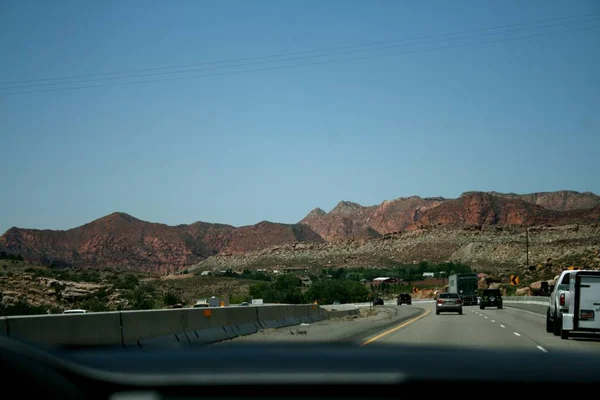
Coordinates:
[27,289]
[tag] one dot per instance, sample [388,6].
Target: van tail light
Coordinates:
[458,301]
[562,299]
[440,301]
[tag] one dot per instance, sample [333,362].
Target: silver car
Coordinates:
[448,302]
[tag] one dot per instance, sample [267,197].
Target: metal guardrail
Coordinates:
[541,300]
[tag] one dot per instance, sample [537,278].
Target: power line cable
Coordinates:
[302,65]
[290,59]
[301,52]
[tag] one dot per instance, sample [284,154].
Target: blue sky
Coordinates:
[517,115]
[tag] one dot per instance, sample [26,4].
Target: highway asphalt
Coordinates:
[490,328]
[513,327]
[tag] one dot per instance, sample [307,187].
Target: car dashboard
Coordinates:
[279,370]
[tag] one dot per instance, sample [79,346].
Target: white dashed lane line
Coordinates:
[540,348]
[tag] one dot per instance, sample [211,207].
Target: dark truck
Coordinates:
[465,285]
[491,298]
[404,298]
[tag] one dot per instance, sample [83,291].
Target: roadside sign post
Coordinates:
[514,280]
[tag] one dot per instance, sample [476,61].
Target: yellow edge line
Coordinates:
[396,328]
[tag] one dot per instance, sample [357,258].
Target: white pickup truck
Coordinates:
[559,303]
[574,303]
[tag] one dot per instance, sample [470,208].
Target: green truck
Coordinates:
[465,285]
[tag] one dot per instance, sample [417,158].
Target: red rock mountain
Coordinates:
[120,240]
[351,220]
[476,209]
[265,234]
[562,200]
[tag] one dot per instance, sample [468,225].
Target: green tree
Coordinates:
[94,304]
[142,298]
[170,299]
[265,291]
[287,282]
[328,291]
[285,289]
[128,282]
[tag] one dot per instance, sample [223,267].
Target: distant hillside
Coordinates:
[350,220]
[476,208]
[120,240]
[562,200]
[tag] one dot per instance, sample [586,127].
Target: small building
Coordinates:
[306,281]
[295,269]
[379,281]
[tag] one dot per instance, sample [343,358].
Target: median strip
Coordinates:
[410,321]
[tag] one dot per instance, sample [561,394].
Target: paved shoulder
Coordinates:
[348,329]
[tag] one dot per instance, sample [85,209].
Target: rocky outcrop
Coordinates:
[562,200]
[487,250]
[348,220]
[122,241]
[394,229]
[265,234]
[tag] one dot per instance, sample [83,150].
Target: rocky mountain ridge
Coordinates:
[123,241]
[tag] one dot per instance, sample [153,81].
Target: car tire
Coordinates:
[460,312]
[437,313]
[481,307]
[549,322]
[557,326]
[564,334]
[500,307]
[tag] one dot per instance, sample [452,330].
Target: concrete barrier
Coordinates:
[534,304]
[152,327]
[3,326]
[541,300]
[275,317]
[160,328]
[315,313]
[209,325]
[67,330]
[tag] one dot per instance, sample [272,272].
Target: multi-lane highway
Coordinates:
[490,328]
[508,328]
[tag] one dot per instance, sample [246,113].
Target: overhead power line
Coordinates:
[301,52]
[305,64]
[293,58]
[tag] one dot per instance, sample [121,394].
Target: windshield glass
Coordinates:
[220,173]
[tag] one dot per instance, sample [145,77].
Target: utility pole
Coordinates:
[527,244]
